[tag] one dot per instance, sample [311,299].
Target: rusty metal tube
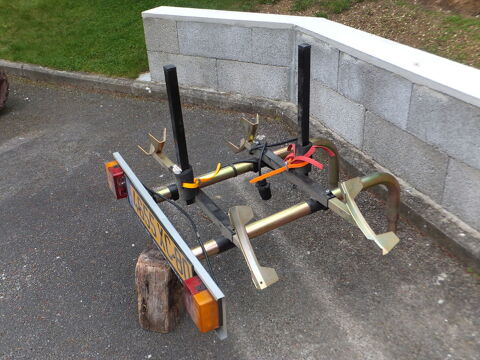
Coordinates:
[393,196]
[264,225]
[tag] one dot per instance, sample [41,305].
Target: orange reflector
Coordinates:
[201,305]
[116,179]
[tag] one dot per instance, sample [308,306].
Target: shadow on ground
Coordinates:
[68,251]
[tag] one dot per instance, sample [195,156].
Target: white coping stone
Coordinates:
[418,66]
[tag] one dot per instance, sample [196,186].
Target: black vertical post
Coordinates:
[303,103]
[176,116]
[303,94]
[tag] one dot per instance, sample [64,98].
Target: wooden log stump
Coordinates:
[159,292]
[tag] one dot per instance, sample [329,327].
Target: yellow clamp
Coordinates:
[197,181]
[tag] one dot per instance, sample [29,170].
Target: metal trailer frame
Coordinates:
[234,226]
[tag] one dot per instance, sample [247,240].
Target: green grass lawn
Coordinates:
[98,36]
[106,36]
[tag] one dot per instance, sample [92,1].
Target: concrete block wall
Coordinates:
[253,61]
[414,113]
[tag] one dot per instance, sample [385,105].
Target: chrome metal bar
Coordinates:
[278,219]
[266,224]
[231,171]
[225,173]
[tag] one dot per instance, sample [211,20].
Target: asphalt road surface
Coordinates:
[68,251]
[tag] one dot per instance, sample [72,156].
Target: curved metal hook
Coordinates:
[333,162]
[393,196]
[344,205]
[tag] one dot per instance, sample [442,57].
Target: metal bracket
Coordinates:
[156,146]
[251,131]
[348,209]
[156,151]
[214,213]
[262,276]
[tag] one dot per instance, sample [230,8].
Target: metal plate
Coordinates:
[178,261]
[153,218]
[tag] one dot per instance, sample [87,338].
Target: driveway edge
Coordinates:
[416,208]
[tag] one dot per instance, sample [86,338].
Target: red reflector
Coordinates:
[116,179]
[201,305]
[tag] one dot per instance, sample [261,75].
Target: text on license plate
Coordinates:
[172,253]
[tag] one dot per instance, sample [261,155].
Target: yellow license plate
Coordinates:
[170,250]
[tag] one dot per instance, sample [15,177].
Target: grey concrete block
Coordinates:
[215,40]
[253,79]
[191,70]
[272,46]
[324,60]
[462,195]
[381,91]
[446,122]
[405,155]
[337,113]
[160,35]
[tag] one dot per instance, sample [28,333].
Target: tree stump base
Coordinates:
[159,292]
